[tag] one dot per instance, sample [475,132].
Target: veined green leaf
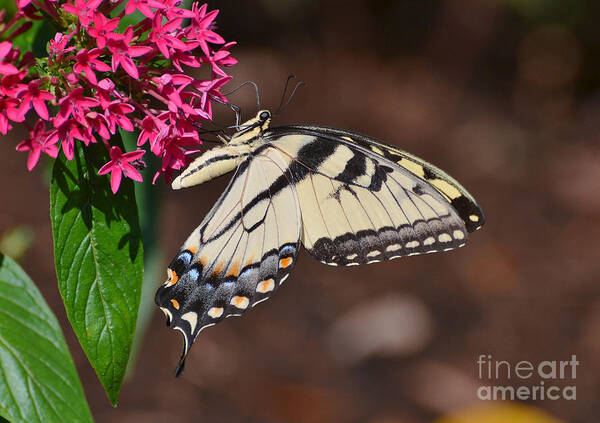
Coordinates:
[38,381]
[99,260]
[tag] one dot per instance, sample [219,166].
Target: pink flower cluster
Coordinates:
[101,75]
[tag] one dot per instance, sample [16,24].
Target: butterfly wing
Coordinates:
[360,207]
[462,201]
[242,251]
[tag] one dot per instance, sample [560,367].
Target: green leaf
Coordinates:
[38,381]
[99,260]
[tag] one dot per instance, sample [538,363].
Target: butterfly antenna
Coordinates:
[289,100]
[254,84]
[285,88]
[235,108]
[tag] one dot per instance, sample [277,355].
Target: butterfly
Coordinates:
[347,198]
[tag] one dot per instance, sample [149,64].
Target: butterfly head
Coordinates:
[249,130]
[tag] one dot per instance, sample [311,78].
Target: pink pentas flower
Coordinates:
[220,58]
[175,156]
[32,95]
[151,129]
[201,28]
[103,29]
[84,10]
[105,91]
[162,35]
[180,58]
[123,52]
[66,133]
[179,80]
[119,164]
[74,104]
[87,62]
[173,9]
[144,6]
[58,46]
[210,90]
[170,86]
[38,143]
[115,114]
[97,123]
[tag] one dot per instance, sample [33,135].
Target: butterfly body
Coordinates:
[347,198]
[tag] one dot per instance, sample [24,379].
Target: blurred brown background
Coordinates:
[501,94]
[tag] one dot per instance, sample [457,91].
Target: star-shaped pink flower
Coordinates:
[221,58]
[97,123]
[84,10]
[172,9]
[67,132]
[105,91]
[38,143]
[75,104]
[210,90]
[33,96]
[119,164]
[143,6]
[58,45]
[162,35]
[200,30]
[87,62]
[122,52]
[175,156]
[152,127]
[103,29]
[115,114]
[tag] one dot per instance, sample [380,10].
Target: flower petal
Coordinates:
[115,179]
[131,172]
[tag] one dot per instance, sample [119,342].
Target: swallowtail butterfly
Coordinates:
[347,198]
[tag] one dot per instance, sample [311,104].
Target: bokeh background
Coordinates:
[501,94]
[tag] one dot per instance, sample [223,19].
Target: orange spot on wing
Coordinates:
[285,262]
[240,302]
[175,303]
[265,286]
[193,250]
[173,278]
[234,270]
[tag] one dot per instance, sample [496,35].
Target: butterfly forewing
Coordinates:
[362,207]
[462,201]
[240,254]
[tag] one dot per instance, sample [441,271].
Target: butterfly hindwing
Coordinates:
[360,207]
[242,251]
